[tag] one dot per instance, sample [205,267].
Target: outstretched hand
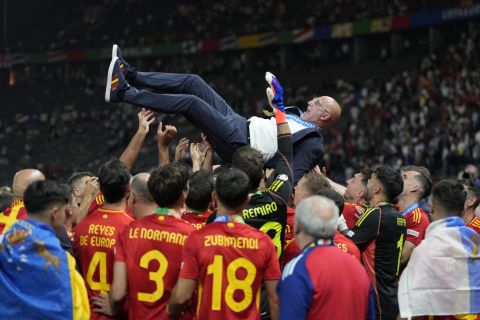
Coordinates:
[208,145]
[274,92]
[180,149]
[165,135]
[197,154]
[91,186]
[145,119]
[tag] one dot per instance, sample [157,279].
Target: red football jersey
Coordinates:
[290,222]
[94,240]
[230,261]
[100,200]
[417,224]
[16,212]
[351,212]
[198,220]
[290,247]
[342,242]
[151,247]
[346,245]
[475,224]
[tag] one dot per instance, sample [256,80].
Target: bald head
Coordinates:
[333,108]
[317,217]
[323,111]
[139,186]
[23,179]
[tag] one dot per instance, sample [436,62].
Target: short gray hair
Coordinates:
[139,186]
[318,217]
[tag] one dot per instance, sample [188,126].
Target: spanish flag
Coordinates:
[38,279]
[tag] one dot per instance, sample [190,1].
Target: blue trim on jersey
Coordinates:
[410,209]
[295,288]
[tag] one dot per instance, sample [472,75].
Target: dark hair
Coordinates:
[167,183]
[220,169]
[41,195]
[334,196]
[450,195]
[423,177]
[314,182]
[76,178]
[200,187]
[250,161]
[232,187]
[68,190]
[391,181]
[366,175]
[113,178]
[6,199]
[474,192]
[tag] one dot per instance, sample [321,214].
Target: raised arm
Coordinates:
[208,163]
[282,183]
[91,190]
[335,186]
[180,149]
[129,156]
[164,138]
[198,157]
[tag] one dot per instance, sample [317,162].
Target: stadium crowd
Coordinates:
[148,22]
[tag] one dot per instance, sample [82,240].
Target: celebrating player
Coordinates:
[417,184]
[95,236]
[149,251]
[190,96]
[314,184]
[441,279]
[200,188]
[38,279]
[21,181]
[267,209]
[228,260]
[380,233]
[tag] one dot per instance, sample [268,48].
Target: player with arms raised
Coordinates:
[95,236]
[228,260]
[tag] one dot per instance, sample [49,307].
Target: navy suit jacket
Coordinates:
[307,149]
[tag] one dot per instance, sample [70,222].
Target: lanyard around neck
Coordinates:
[318,243]
[229,218]
[165,211]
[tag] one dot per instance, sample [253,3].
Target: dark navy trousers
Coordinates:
[190,96]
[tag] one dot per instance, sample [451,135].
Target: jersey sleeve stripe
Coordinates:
[364,216]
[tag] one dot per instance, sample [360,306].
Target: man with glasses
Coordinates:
[226,130]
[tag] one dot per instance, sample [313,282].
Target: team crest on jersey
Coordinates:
[17,236]
[282,177]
